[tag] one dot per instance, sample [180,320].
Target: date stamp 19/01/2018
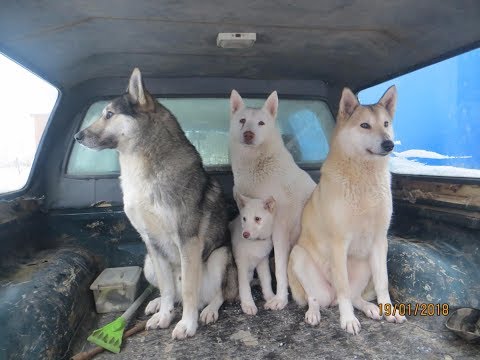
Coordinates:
[421,309]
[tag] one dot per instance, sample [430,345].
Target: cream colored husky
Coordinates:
[343,243]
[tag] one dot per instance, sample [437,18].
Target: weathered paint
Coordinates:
[43,302]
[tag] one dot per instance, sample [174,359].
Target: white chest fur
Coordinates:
[155,222]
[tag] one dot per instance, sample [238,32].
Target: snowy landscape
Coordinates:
[21,121]
[402,163]
[13,178]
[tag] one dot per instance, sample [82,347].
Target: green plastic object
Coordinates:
[110,336]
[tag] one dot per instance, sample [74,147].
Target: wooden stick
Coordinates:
[87,355]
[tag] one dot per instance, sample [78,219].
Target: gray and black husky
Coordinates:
[177,208]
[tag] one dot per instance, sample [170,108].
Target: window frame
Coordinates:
[215,170]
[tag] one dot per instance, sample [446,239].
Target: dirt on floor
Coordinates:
[284,335]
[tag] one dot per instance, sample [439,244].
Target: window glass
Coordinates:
[27,102]
[437,121]
[305,126]
[86,161]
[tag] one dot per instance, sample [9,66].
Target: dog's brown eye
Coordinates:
[242,121]
[365,125]
[244,219]
[257,219]
[108,115]
[261,123]
[385,124]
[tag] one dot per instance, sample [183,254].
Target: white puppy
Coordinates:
[252,244]
[261,164]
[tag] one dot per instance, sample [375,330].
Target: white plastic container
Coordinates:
[115,289]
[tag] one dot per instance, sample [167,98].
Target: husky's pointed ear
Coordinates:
[136,88]
[269,204]
[271,105]
[236,102]
[240,199]
[389,100]
[348,104]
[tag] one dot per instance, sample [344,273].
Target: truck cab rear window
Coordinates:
[305,126]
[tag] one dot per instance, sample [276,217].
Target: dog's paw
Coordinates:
[350,325]
[276,303]
[312,317]
[249,308]
[160,320]
[208,315]
[372,311]
[397,318]
[184,329]
[153,306]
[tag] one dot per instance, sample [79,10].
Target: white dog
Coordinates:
[262,165]
[252,244]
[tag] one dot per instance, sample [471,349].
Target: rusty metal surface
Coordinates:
[43,302]
[461,196]
[435,271]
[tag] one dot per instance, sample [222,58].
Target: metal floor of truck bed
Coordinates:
[284,335]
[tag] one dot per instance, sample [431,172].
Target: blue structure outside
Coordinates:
[438,110]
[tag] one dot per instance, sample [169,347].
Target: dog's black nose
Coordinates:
[248,136]
[388,145]
[79,136]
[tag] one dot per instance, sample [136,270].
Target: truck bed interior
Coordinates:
[60,231]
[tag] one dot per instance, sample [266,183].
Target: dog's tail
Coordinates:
[298,293]
[230,281]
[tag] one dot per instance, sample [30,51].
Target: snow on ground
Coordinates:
[402,165]
[425,154]
[13,178]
